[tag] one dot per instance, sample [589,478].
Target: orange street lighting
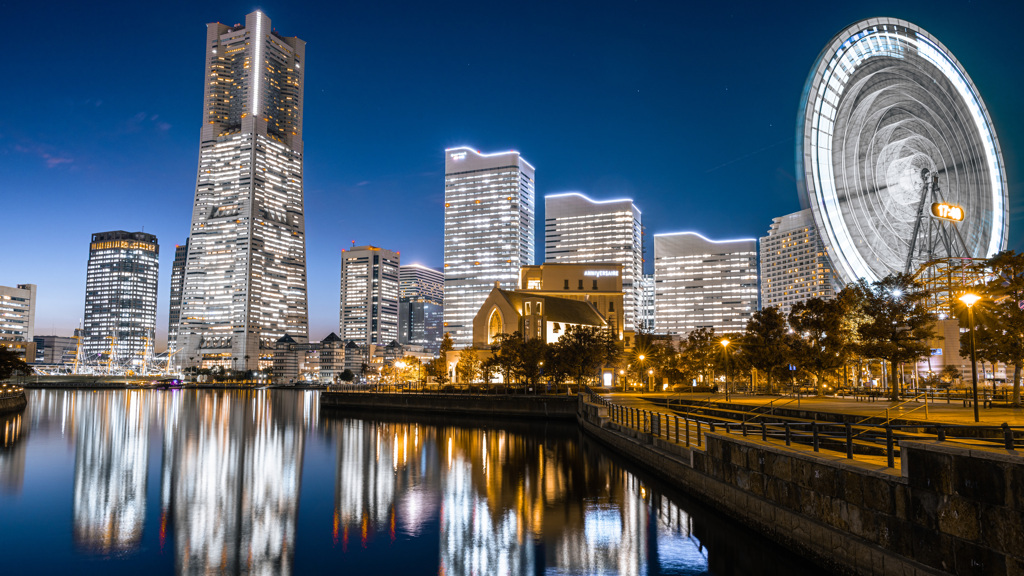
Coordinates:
[970,299]
[725,347]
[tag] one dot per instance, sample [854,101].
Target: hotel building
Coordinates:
[245,274]
[119,329]
[580,230]
[369,296]
[420,306]
[794,264]
[488,231]
[701,283]
[17,320]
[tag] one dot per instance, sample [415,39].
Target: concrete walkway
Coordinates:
[953,413]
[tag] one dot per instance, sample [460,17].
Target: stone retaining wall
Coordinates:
[513,406]
[13,403]
[953,510]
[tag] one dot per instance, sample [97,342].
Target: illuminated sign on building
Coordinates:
[948,211]
[458,156]
[600,273]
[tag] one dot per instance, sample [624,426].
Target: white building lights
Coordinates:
[488,231]
[702,283]
[119,329]
[581,230]
[794,264]
[369,296]
[245,276]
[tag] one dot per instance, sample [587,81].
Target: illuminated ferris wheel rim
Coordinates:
[832,69]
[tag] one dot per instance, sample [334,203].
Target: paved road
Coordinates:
[939,411]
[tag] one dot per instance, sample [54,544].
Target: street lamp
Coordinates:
[725,346]
[641,359]
[970,299]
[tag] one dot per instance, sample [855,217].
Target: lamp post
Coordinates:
[725,346]
[970,300]
[641,359]
[650,375]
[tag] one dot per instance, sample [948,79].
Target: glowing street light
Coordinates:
[970,300]
[728,369]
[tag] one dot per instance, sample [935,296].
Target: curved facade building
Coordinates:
[889,124]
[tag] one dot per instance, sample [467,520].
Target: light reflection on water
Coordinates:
[207,482]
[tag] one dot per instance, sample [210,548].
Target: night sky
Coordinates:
[689,108]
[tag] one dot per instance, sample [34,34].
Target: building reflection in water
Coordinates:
[111,454]
[234,472]
[501,493]
[13,433]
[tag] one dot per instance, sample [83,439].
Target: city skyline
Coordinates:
[619,127]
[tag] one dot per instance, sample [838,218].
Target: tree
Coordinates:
[766,343]
[898,324]
[949,375]
[468,367]
[580,352]
[507,355]
[999,316]
[440,365]
[347,376]
[824,340]
[531,355]
[699,354]
[11,364]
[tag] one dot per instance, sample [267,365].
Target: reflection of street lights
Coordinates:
[725,346]
[970,300]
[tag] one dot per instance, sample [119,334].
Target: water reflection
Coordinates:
[211,481]
[109,505]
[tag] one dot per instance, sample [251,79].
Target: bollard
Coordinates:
[849,441]
[941,432]
[789,436]
[1007,436]
[890,456]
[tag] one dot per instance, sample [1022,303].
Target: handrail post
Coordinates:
[711,426]
[764,432]
[743,426]
[789,435]
[677,429]
[698,433]
[849,441]
[941,432]
[814,431]
[1007,436]
[890,456]
[686,422]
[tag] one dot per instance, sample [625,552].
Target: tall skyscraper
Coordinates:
[177,284]
[647,303]
[245,276]
[18,319]
[794,264]
[701,283]
[420,306]
[580,230]
[120,300]
[369,295]
[489,217]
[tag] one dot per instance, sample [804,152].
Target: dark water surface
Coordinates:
[189,481]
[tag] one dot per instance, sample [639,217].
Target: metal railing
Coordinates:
[868,441]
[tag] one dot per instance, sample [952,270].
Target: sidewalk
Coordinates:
[953,413]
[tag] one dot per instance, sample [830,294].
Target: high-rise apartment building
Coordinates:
[647,303]
[245,276]
[580,230]
[794,264]
[369,295]
[420,306]
[119,329]
[18,320]
[701,283]
[489,217]
[177,284]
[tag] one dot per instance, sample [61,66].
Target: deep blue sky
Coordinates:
[689,108]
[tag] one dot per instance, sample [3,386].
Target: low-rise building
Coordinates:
[533,315]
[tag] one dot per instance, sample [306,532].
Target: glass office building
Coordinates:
[488,231]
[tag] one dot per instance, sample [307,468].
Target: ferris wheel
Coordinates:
[896,154]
